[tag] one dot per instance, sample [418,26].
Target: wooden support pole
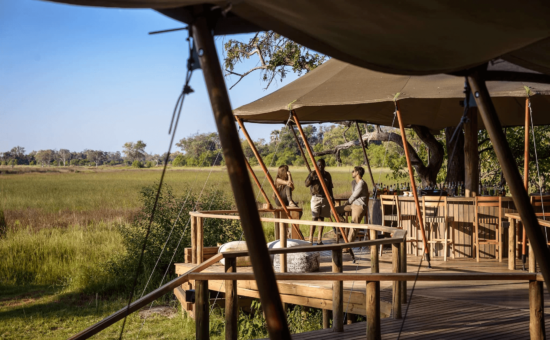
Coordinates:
[300,147]
[373,310]
[411,176]
[282,241]
[337,293]
[231,302]
[267,174]
[321,179]
[202,309]
[526,171]
[396,296]
[532,261]
[365,155]
[509,168]
[200,240]
[471,154]
[374,254]
[258,184]
[276,225]
[512,244]
[403,269]
[194,240]
[327,314]
[536,311]
[240,181]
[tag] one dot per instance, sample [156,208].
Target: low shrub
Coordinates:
[137,164]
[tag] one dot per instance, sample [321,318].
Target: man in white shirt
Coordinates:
[357,203]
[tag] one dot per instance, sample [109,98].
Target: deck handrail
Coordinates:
[301,222]
[325,247]
[374,276]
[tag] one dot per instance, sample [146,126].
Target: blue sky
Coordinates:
[81,77]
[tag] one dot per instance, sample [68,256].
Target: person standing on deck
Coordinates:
[284,186]
[357,203]
[320,207]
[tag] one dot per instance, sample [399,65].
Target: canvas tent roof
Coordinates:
[337,91]
[404,37]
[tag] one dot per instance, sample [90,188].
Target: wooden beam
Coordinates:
[321,179]
[411,176]
[374,254]
[512,245]
[327,315]
[516,276]
[396,296]
[365,155]
[337,293]
[231,302]
[373,310]
[525,172]
[324,247]
[403,269]
[267,174]
[536,311]
[239,179]
[258,183]
[509,168]
[202,309]
[471,154]
[300,147]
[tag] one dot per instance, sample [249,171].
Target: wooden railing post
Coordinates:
[200,239]
[193,240]
[403,268]
[396,298]
[282,240]
[532,260]
[231,302]
[327,314]
[337,293]
[512,244]
[374,262]
[536,311]
[202,315]
[373,310]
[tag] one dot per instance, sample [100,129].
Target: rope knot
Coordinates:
[187,89]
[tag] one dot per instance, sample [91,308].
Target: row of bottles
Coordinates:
[393,189]
[491,190]
[452,189]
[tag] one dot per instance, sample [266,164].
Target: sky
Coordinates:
[80,78]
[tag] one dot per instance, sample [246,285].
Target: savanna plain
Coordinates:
[68,235]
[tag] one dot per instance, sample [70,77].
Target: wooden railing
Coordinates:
[373,330]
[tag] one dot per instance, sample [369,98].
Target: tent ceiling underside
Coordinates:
[405,37]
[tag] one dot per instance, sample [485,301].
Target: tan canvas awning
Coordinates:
[404,37]
[337,91]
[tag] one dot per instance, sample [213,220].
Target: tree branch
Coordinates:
[244,74]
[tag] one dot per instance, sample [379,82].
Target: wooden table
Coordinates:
[512,241]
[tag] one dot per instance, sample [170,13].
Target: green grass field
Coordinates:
[61,230]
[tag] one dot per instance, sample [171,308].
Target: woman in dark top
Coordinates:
[284,186]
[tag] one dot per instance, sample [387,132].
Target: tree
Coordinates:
[18,153]
[199,143]
[95,156]
[276,55]
[44,156]
[428,173]
[64,156]
[135,151]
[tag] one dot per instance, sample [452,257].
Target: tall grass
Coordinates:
[65,257]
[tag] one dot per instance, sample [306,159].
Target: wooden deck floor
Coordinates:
[436,318]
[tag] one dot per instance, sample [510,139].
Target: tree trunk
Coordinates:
[428,174]
[455,166]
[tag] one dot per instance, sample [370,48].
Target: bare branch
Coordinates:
[245,74]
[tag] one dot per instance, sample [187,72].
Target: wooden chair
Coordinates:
[431,206]
[398,218]
[481,201]
[542,208]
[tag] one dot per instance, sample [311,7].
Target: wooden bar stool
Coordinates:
[397,217]
[495,201]
[431,216]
